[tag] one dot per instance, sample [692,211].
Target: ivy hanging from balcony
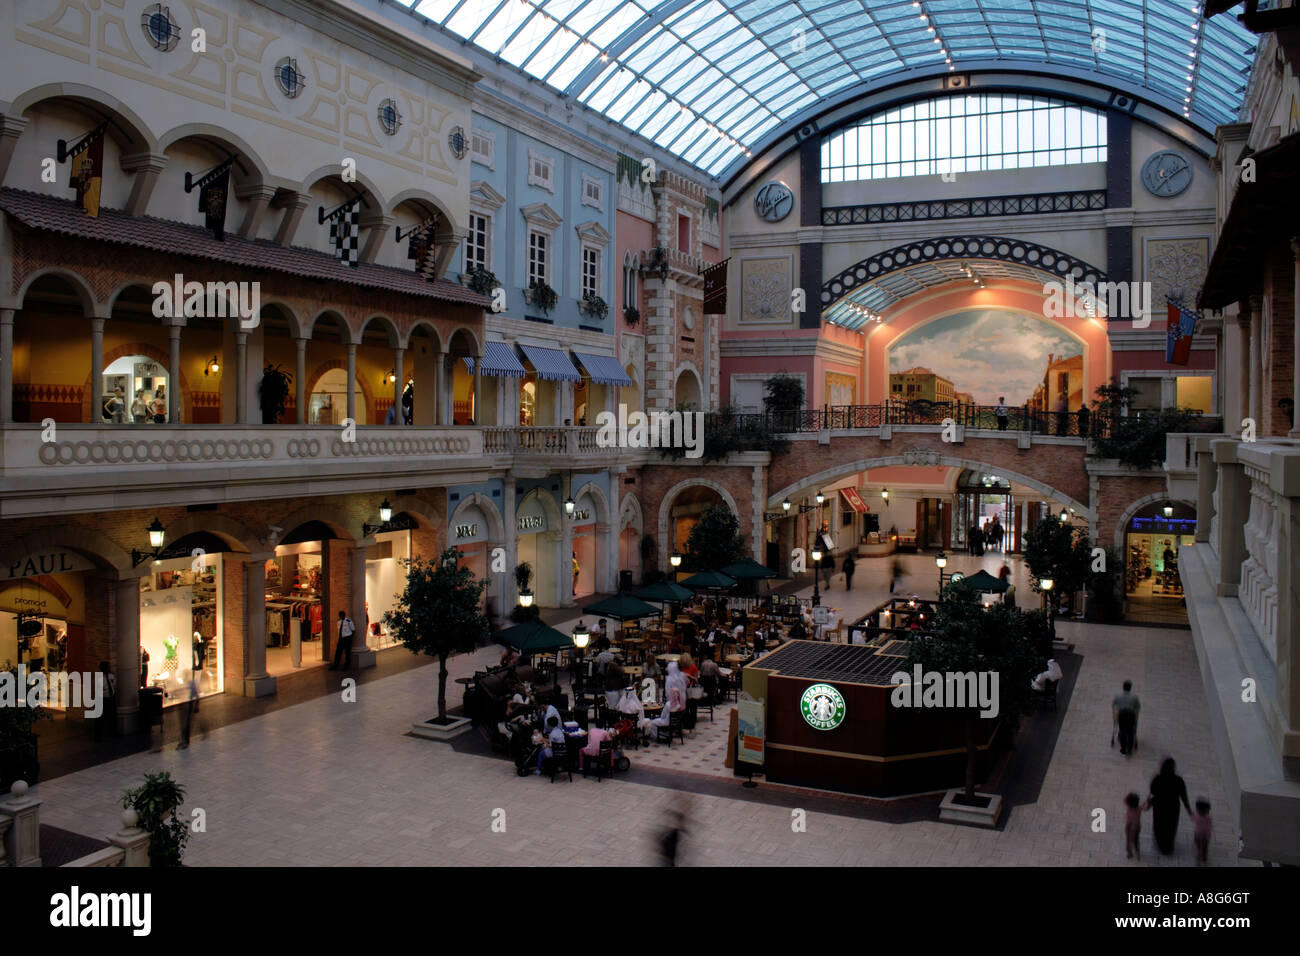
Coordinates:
[594,305]
[631,314]
[541,295]
[481,280]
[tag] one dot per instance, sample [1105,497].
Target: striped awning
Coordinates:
[499,360]
[551,364]
[603,369]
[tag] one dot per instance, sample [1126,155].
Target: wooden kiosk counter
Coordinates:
[831,724]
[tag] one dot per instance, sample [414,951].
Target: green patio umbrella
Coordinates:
[621,607]
[534,637]
[664,592]
[749,569]
[709,581]
[984,582]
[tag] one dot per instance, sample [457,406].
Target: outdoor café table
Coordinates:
[735,658]
[668,658]
[465,680]
[633,670]
[653,710]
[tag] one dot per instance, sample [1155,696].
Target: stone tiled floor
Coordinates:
[326,782]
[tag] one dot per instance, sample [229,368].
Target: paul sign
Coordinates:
[822,707]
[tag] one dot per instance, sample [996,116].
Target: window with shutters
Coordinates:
[482,149]
[541,171]
[538,257]
[593,192]
[478,250]
[590,271]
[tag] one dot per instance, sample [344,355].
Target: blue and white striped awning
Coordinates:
[603,369]
[551,364]
[499,360]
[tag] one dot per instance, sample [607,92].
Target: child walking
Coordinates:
[1202,830]
[1133,825]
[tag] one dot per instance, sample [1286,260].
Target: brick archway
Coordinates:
[666,505]
[174,378]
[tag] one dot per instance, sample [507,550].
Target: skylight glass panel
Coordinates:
[612,24]
[435,10]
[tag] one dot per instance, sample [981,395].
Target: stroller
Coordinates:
[523,750]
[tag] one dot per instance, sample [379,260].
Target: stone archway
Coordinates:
[666,505]
[1134,507]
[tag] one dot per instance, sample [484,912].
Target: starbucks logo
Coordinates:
[822,706]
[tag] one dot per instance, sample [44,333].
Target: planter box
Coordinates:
[980,816]
[435,731]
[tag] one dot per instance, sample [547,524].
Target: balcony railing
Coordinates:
[569,440]
[849,417]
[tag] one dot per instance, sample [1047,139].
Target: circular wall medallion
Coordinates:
[688,318]
[459,145]
[288,78]
[389,118]
[773,202]
[822,706]
[1166,173]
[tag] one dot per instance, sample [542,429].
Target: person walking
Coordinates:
[1167,791]
[188,710]
[895,574]
[997,533]
[1124,710]
[849,567]
[344,647]
[1001,412]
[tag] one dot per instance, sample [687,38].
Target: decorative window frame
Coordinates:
[534,158]
[541,218]
[598,285]
[592,235]
[1169,384]
[598,202]
[631,280]
[488,239]
[490,159]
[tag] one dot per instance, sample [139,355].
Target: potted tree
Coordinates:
[155,803]
[439,614]
[18,742]
[273,393]
[995,641]
[715,541]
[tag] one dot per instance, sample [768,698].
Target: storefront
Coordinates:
[1153,590]
[586,545]
[469,534]
[295,613]
[135,391]
[385,580]
[539,545]
[182,626]
[43,614]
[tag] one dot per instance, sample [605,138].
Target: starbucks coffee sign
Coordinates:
[822,707]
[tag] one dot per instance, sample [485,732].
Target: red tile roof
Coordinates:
[165,235]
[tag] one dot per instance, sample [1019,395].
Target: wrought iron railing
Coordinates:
[1029,204]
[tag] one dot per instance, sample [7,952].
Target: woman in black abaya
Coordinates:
[1167,789]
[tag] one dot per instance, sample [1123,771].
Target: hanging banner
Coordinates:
[421,247]
[214,188]
[344,231]
[854,500]
[715,289]
[87,176]
[1180,328]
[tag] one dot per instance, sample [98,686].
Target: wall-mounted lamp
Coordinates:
[157,535]
[213,367]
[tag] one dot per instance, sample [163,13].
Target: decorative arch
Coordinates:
[290,315]
[177,377]
[689,367]
[308,330]
[457,340]
[394,333]
[128,130]
[315,376]
[249,166]
[828,475]
[427,325]
[424,197]
[1043,258]
[367,185]
[630,515]
[496,525]
[666,504]
[232,532]
[422,511]
[91,544]
[89,304]
[598,496]
[337,520]
[1137,505]
[552,508]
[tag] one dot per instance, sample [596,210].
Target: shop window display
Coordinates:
[293,607]
[135,392]
[385,580]
[180,627]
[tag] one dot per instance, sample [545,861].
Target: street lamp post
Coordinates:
[817,570]
[941,562]
[1046,584]
[581,637]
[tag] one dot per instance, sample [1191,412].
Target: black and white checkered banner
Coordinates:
[344,231]
[421,247]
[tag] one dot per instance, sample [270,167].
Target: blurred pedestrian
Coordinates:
[188,710]
[849,567]
[1167,791]
[670,840]
[895,574]
[106,722]
[1125,708]
[1202,830]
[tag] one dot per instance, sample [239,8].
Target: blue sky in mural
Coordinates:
[987,352]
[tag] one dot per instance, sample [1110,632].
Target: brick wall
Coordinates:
[1115,494]
[1279,382]
[235,637]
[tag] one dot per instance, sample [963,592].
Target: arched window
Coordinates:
[966,133]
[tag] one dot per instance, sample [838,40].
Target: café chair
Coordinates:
[560,761]
[710,698]
[602,762]
[675,728]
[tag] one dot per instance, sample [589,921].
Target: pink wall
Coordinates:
[1200,360]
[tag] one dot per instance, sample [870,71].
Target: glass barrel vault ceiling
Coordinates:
[707,79]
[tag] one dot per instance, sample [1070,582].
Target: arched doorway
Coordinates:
[1153,538]
[687,391]
[539,543]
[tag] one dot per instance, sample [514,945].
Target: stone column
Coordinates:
[96,371]
[126,595]
[1206,480]
[1295,341]
[565,577]
[398,385]
[22,836]
[1234,510]
[446,390]
[1286,481]
[174,374]
[606,548]
[241,378]
[1256,360]
[352,381]
[257,683]
[509,595]
[362,656]
[1236,402]
[300,381]
[477,414]
[7,366]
